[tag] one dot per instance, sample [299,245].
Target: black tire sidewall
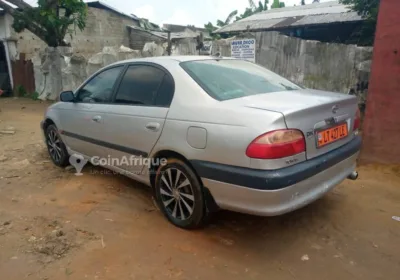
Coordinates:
[64,153]
[198,216]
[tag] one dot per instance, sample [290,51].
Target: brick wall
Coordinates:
[382,119]
[103,28]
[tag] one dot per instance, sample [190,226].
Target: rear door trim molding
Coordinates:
[106,144]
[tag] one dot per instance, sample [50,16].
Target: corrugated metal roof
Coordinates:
[174,35]
[316,13]
[102,5]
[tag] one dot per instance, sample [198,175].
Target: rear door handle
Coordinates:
[96,119]
[153,126]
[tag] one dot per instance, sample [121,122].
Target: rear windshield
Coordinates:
[228,79]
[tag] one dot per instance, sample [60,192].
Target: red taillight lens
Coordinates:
[277,144]
[357,120]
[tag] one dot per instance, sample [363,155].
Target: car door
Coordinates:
[134,122]
[82,120]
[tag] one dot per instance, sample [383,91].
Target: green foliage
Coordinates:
[303,2]
[228,20]
[369,10]
[276,4]
[34,95]
[253,9]
[52,20]
[20,90]
[211,28]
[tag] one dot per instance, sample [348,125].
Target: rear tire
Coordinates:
[56,147]
[179,194]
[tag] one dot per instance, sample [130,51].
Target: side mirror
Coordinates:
[67,96]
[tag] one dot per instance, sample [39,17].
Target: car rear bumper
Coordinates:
[275,192]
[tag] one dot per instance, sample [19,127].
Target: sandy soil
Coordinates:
[55,225]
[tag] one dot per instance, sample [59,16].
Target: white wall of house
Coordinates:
[9,43]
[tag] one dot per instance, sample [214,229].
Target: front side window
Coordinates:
[100,88]
[140,85]
[226,79]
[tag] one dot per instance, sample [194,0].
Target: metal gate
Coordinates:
[23,77]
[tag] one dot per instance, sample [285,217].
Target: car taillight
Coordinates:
[357,120]
[277,144]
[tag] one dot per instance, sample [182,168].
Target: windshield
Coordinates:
[228,79]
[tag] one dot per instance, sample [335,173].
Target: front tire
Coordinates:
[56,147]
[179,194]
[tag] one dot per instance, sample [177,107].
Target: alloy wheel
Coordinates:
[54,145]
[177,194]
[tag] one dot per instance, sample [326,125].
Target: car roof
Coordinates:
[164,59]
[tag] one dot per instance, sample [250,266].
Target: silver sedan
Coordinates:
[208,133]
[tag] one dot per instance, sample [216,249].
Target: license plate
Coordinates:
[331,135]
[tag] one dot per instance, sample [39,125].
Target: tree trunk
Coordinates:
[52,70]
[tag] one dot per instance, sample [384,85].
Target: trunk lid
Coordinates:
[309,111]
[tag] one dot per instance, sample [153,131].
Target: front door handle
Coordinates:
[153,126]
[96,119]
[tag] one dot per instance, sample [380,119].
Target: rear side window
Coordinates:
[140,85]
[226,79]
[165,92]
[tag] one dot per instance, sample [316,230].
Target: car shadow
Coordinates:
[252,233]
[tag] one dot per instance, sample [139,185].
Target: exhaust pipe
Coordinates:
[353,175]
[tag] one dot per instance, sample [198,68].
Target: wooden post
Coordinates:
[169,43]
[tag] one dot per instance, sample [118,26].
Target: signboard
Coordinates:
[206,49]
[244,49]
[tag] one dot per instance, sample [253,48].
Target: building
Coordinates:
[326,22]
[185,36]
[105,26]
[381,129]
[189,29]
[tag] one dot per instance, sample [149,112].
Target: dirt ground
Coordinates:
[55,225]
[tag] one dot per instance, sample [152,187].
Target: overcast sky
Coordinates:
[184,12]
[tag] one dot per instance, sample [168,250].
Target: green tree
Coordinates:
[262,7]
[303,2]
[369,10]
[228,20]
[51,20]
[210,29]
[276,4]
[253,9]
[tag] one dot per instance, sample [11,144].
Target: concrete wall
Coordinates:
[27,42]
[382,121]
[333,67]
[138,38]
[185,47]
[103,28]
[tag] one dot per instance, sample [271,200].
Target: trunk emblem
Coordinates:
[335,109]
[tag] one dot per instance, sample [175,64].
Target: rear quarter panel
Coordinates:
[229,128]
